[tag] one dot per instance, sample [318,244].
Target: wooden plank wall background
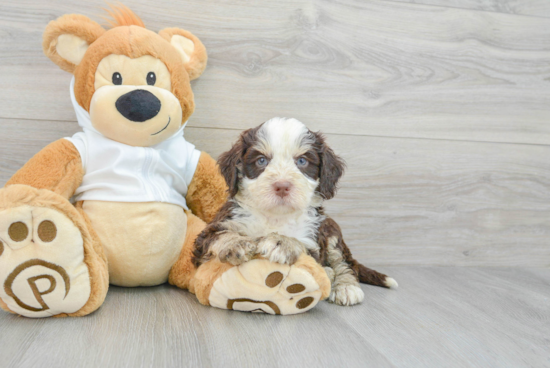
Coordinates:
[440,108]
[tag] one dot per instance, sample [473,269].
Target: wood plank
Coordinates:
[452,317]
[370,68]
[532,8]
[167,327]
[462,203]
[402,201]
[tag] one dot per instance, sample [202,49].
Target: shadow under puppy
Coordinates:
[278,175]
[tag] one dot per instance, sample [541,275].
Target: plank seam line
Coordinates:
[395,137]
[466,9]
[332,134]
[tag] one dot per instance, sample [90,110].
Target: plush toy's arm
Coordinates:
[207,192]
[57,167]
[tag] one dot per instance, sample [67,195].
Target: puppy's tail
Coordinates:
[372,277]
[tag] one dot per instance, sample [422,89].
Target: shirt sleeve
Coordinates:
[81,144]
[193,156]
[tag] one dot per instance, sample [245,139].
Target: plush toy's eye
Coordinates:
[301,162]
[261,162]
[117,79]
[151,78]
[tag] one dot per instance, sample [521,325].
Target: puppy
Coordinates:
[279,174]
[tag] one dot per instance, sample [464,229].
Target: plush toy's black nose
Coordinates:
[138,105]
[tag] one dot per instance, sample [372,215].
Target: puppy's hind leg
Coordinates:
[331,239]
[345,285]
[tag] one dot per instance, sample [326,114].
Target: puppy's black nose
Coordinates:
[282,188]
[138,105]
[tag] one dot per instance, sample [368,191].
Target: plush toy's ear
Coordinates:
[66,39]
[190,48]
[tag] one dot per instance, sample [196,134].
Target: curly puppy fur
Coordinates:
[278,175]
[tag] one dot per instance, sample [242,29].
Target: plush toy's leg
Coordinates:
[51,261]
[184,270]
[262,286]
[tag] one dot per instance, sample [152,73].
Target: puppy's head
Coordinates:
[281,167]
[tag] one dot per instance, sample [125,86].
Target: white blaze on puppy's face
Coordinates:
[280,171]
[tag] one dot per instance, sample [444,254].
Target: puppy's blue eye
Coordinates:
[262,161]
[301,162]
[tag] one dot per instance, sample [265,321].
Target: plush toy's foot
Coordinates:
[266,287]
[43,272]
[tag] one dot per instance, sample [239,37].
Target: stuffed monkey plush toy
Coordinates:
[123,201]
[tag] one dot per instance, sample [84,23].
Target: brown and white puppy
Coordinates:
[279,174]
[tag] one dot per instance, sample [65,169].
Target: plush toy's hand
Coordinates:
[207,191]
[262,286]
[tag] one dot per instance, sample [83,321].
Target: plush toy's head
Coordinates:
[135,83]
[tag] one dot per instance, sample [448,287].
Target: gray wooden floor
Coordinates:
[441,109]
[439,317]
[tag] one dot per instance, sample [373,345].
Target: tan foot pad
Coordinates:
[265,287]
[42,269]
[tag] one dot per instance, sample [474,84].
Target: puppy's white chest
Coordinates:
[298,230]
[302,228]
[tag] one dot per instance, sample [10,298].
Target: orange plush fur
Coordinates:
[57,167]
[76,24]
[123,16]
[184,270]
[206,194]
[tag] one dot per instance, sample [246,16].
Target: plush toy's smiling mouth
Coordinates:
[166,126]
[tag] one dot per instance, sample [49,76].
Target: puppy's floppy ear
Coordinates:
[66,39]
[331,168]
[229,163]
[191,50]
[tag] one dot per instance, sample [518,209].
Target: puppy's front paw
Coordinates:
[330,274]
[238,251]
[346,294]
[280,249]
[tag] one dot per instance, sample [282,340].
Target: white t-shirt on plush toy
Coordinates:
[116,172]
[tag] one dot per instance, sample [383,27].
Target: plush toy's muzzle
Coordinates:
[135,115]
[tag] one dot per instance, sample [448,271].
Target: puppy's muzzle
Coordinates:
[282,188]
[138,106]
